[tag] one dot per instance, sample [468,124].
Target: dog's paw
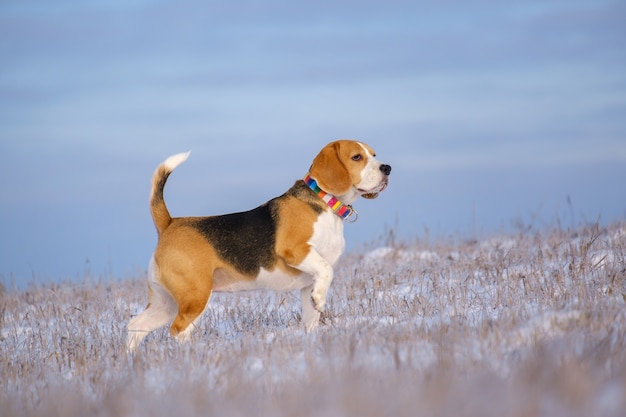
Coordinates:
[319,301]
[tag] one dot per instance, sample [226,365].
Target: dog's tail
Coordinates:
[160,214]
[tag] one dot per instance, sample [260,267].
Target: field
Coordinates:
[527,324]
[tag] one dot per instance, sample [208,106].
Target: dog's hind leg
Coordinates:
[192,294]
[190,309]
[161,310]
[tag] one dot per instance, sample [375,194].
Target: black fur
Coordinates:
[246,239]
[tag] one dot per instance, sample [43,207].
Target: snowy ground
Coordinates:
[524,325]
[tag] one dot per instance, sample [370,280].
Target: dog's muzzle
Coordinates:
[385,169]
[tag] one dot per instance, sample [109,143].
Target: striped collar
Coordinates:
[342,210]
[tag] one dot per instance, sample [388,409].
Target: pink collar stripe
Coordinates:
[340,209]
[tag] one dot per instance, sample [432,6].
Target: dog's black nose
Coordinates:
[385,169]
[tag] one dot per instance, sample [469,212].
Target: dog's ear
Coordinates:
[330,172]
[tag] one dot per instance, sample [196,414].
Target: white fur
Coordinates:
[310,316]
[175,160]
[161,311]
[327,237]
[275,280]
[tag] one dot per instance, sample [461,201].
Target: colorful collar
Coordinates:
[340,209]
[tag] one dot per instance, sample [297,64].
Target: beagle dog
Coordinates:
[289,243]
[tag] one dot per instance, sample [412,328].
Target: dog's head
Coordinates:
[349,169]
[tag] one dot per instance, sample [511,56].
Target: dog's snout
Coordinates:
[385,169]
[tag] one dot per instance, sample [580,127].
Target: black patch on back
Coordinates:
[246,240]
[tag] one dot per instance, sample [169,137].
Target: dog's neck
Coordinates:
[342,210]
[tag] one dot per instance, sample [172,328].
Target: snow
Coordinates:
[394,307]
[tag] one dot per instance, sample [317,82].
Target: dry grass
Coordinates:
[526,325]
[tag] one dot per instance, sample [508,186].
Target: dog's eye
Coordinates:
[357,157]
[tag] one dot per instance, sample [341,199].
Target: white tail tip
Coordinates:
[175,160]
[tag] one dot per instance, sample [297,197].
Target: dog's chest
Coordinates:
[327,237]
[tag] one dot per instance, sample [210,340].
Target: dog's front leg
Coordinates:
[322,272]
[310,316]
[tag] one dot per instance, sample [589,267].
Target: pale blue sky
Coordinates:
[489,112]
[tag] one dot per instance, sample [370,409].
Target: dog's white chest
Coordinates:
[328,238]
